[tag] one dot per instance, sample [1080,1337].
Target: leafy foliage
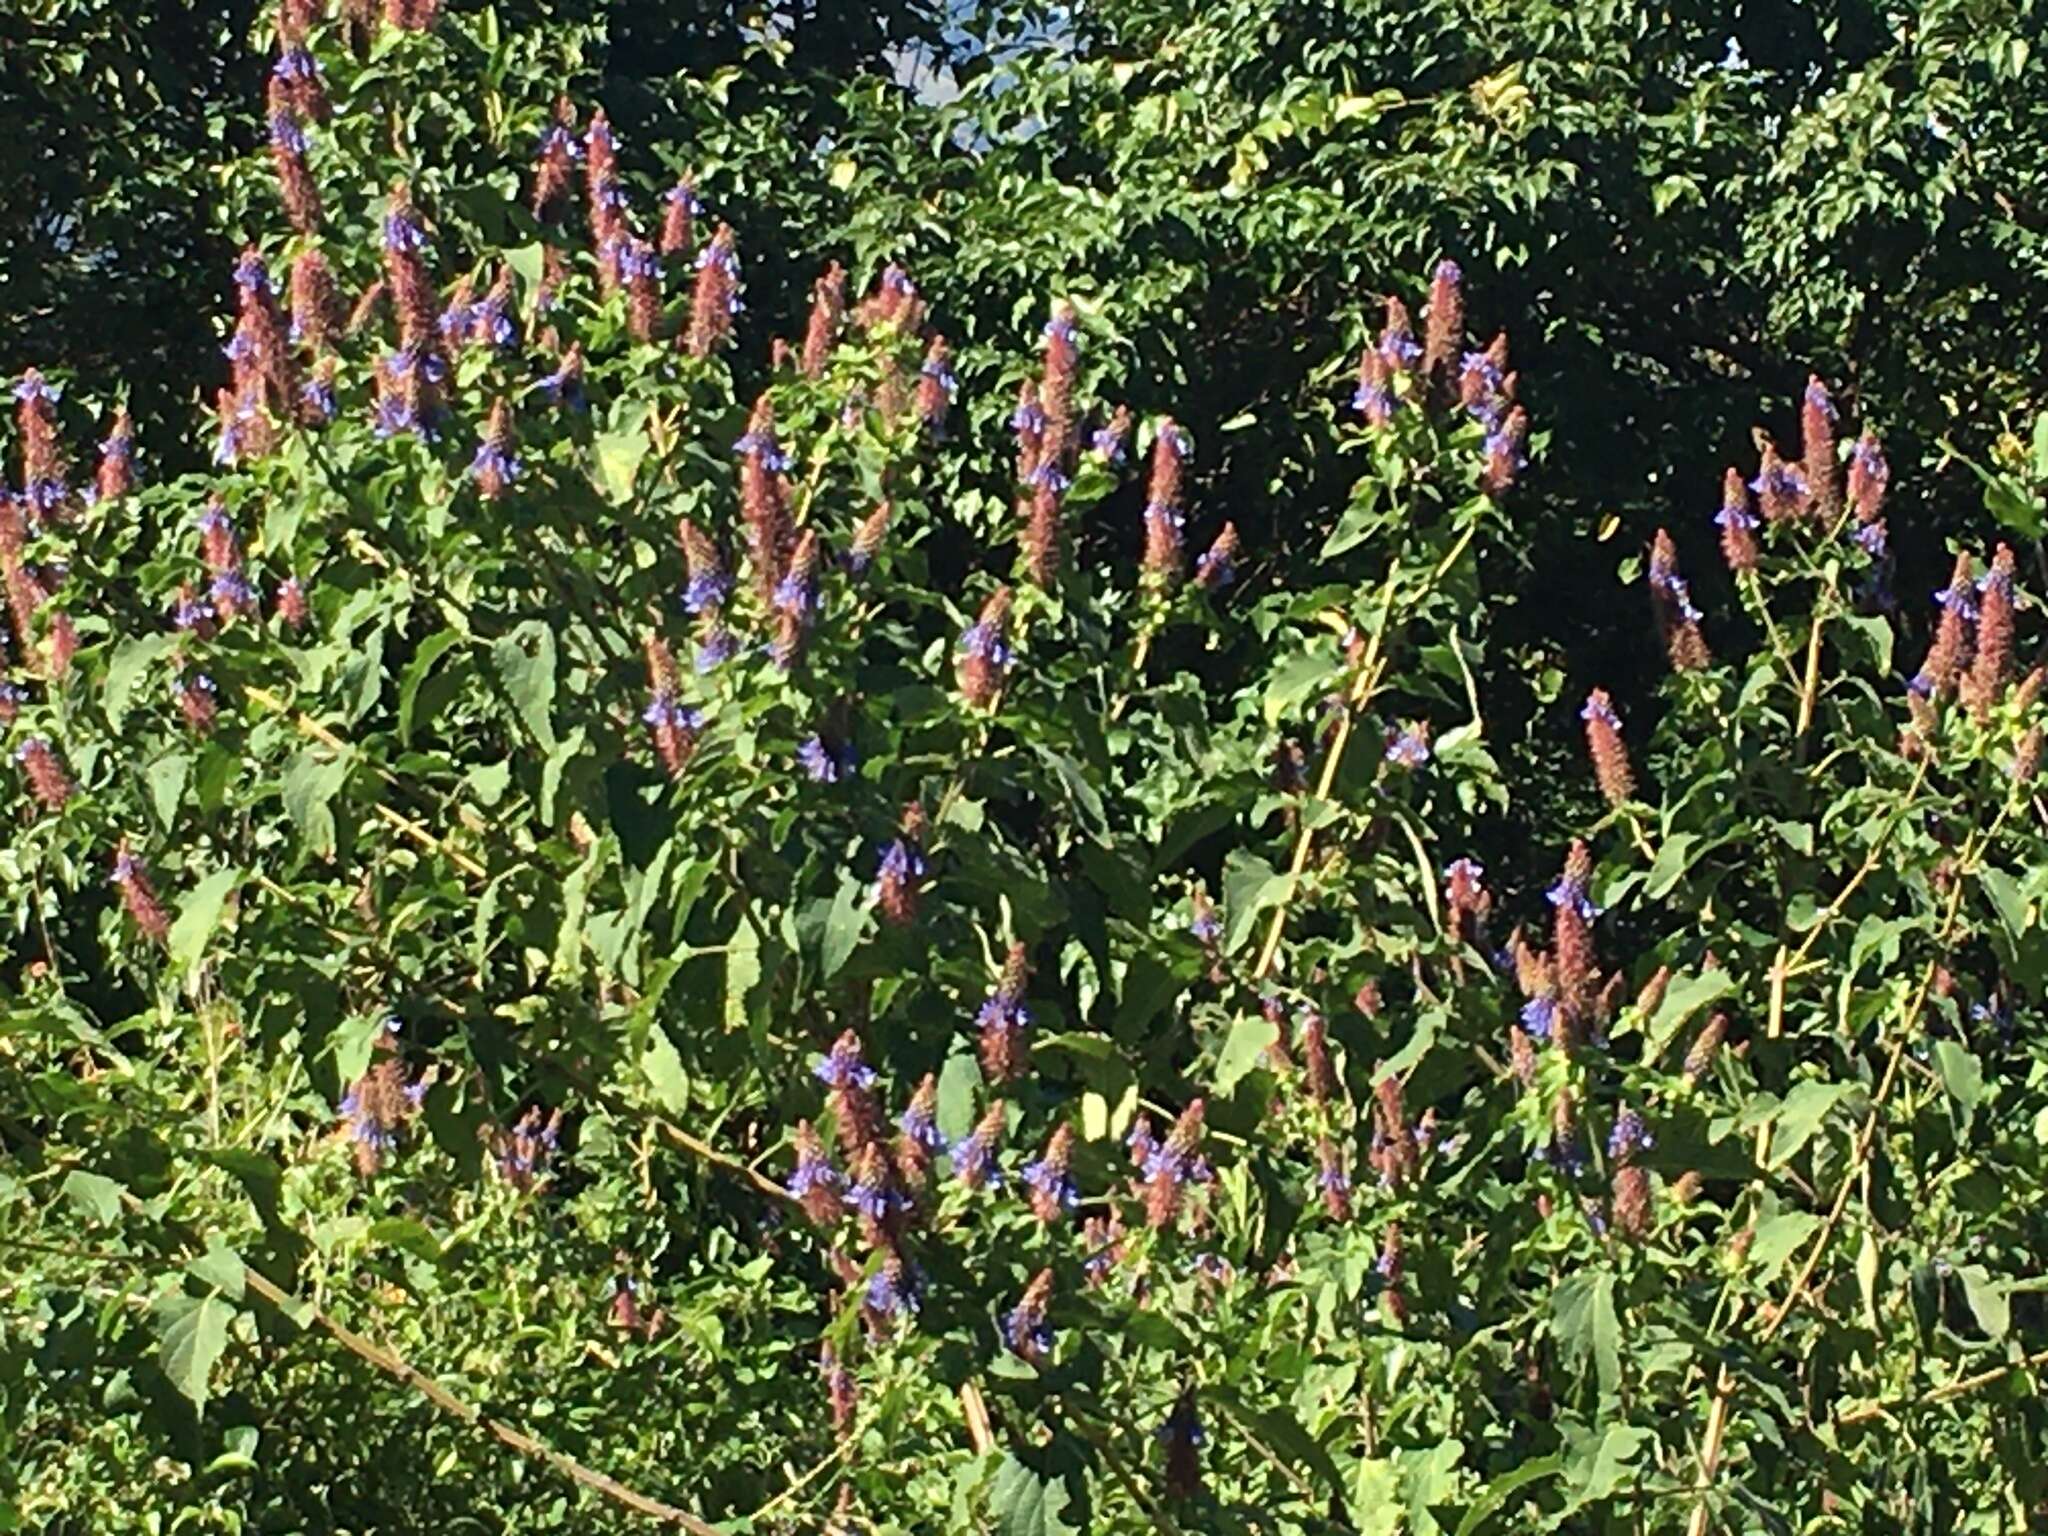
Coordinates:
[609,918]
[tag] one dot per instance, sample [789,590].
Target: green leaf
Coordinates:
[1777,1239]
[1502,1488]
[1598,1467]
[1296,678]
[2007,898]
[959,1082]
[124,670]
[1990,1302]
[431,650]
[1962,1074]
[1670,864]
[1583,1317]
[1684,997]
[1805,1107]
[1249,888]
[199,915]
[97,1196]
[844,925]
[664,1069]
[529,677]
[618,462]
[1248,1039]
[568,961]
[220,1267]
[1042,1500]
[191,1343]
[310,783]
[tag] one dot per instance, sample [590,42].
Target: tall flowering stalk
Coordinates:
[717,296]
[1333,1184]
[936,387]
[1678,621]
[313,301]
[43,487]
[828,315]
[1737,524]
[867,538]
[554,159]
[796,601]
[1003,1020]
[139,898]
[1056,393]
[288,147]
[1051,1190]
[917,1134]
[673,726]
[985,654]
[900,879]
[1868,477]
[1505,451]
[116,474]
[815,1184]
[380,1102]
[973,1156]
[495,467]
[1604,745]
[1167,1168]
[1781,489]
[764,500]
[1164,557]
[1444,333]
[1950,652]
[1216,567]
[47,780]
[680,208]
[1026,1329]
[1817,447]
[894,302]
[1576,971]
[1991,668]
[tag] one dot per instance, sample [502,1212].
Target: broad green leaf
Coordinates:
[220,1267]
[1248,1039]
[312,781]
[1805,1107]
[618,462]
[1039,1500]
[525,663]
[1583,1317]
[199,915]
[1961,1074]
[191,1343]
[1989,1300]
[1777,1239]
[130,659]
[96,1195]
[664,1069]
[844,925]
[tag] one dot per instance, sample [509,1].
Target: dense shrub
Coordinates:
[612,917]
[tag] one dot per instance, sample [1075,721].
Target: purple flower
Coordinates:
[1817,397]
[937,368]
[1410,749]
[706,590]
[1028,417]
[813,1171]
[295,63]
[1052,1184]
[973,1160]
[825,764]
[891,1294]
[1783,481]
[793,596]
[843,1067]
[1048,474]
[715,650]
[318,396]
[286,133]
[492,462]
[1479,366]
[233,590]
[1206,926]
[1870,538]
[1374,401]
[873,1198]
[763,447]
[1027,1332]
[1538,1014]
[1109,443]
[33,386]
[985,642]
[682,192]
[1629,1136]
[394,416]
[1333,1178]
[1572,893]
[1734,515]
[664,709]
[919,1126]
[1598,709]
[403,233]
[1959,600]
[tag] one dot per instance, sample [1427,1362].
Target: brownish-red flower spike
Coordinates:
[985,652]
[1991,668]
[1603,742]
[139,898]
[1737,523]
[1678,621]
[1817,444]
[716,299]
[1950,652]
[828,314]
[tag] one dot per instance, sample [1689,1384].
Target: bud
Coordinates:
[1052,1191]
[1505,458]
[1003,1020]
[558,150]
[1630,1205]
[2026,758]
[918,1134]
[1700,1059]
[936,387]
[1868,477]
[494,466]
[867,538]
[903,870]
[678,220]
